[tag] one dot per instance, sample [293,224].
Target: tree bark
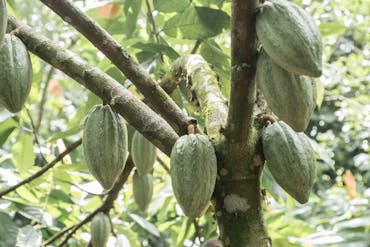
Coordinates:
[237,197]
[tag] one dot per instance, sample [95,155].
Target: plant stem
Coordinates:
[44,169]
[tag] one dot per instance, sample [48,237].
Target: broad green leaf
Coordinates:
[353,223]
[27,195]
[23,155]
[69,132]
[220,61]
[122,241]
[29,237]
[30,212]
[131,10]
[152,229]
[331,28]
[197,23]
[8,231]
[157,48]
[6,128]
[168,6]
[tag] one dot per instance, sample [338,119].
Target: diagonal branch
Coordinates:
[155,95]
[243,87]
[108,202]
[42,170]
[139,115]
[199,84]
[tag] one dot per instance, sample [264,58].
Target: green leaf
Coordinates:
[6,128]
[146,225]
[23,155]
[331,28]
[29,237]
[131,11]
[220,61]
[30,212]
[157,48]
[69,132]
[168,6]
[197,23]
[8,231]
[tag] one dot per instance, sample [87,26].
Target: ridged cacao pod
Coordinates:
[143,189]
[3,20]
[15,75]
[193,173]
[290,37]
[142,153]
[100,229]
[105,144]
[290,159]
[291,97]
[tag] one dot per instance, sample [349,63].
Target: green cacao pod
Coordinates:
[3,20]
[290,37]
[291,97]
[15,75]
[105,144]
[193,173]
[100,229]
[142,186]
[142,153]
[290,159]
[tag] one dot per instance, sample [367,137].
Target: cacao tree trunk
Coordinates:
[237,198]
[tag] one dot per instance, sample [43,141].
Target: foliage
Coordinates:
[336,215]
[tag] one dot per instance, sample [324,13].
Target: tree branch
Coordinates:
[243,87]
[136,113]
[199,84]
[108,202]
[44,169]
[156,96]
[154,25]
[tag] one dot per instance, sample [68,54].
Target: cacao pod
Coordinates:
[100,229]
[143,189]
[193,173]
[290,37]
[290,159]
[3,20]
[16,73]
[104,144]
[142,153]
[291,97]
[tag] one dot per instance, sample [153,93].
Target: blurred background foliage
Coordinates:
[338,213]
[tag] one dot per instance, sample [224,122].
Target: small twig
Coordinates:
[163,164]
[197,230]
[108,202]
[78,226]
[81,189]
[56,236]
[43,169]
[155,29]
[43,98]
[196,46]
[34,130]
[112,227]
